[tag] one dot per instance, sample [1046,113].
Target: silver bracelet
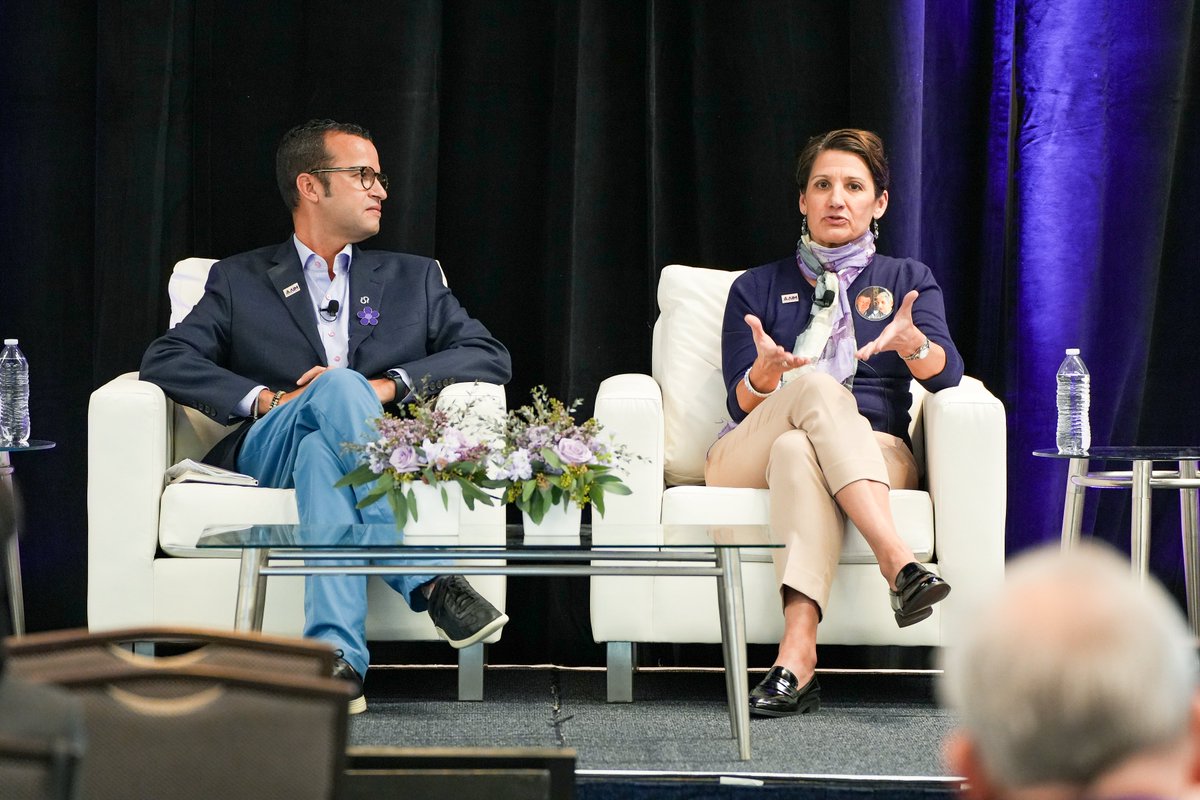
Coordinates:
[756,392]
[920,352]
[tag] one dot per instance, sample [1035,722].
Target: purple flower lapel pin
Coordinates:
[368,316]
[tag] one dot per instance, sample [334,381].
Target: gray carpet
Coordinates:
[869,724]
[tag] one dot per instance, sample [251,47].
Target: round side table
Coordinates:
[1141,478]
[12,557]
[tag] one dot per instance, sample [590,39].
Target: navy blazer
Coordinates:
[256,325]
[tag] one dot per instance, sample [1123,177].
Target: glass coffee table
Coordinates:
[682,550]
[1141,478]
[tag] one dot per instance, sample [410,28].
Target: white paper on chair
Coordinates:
[195,472]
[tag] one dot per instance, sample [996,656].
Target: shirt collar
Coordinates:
[340,265]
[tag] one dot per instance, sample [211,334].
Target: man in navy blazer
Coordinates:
[306,341]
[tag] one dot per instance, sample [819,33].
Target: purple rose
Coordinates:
[573,451]
[404,459]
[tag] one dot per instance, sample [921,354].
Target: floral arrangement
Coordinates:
[428,446]
[547,459]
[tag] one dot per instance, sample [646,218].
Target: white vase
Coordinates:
[562,520]
[435,517]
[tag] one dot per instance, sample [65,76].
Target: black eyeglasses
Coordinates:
[366,175]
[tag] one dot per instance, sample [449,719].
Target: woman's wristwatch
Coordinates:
[921,352]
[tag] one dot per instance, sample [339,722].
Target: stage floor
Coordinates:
[872,726]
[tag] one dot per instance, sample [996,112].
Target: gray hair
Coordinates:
[1070,669]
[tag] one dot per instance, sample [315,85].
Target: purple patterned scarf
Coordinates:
[846,262]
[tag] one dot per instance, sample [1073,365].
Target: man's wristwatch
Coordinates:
[921,352]
[402,387]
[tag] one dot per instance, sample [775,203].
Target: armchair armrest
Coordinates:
[488,406]
[630,407]
[128,451]
[966,462]
[487,402]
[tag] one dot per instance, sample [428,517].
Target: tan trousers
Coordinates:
[805,443]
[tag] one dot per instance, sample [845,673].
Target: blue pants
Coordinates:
[299,445]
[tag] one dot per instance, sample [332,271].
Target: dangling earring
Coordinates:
[803,225]
[875,227]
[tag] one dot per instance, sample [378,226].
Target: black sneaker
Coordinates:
[343,671]
[460,614]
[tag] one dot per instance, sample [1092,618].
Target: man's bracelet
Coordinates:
[275,399]
[756,392]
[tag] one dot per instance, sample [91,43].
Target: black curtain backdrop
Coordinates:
[556,155]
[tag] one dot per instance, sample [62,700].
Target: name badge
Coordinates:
[291,290]
[794,297]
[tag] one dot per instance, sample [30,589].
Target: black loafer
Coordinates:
[916,590]
[779,694]
[343,671]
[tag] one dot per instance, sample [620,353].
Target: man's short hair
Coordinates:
[302,149]
[1070,669]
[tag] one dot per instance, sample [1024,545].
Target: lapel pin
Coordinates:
[362,301]
[368,316]
[291,290]
[794,297]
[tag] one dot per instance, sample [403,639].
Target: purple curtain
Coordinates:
[1091,193]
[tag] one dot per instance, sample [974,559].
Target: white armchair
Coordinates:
[954,525]
[143,565]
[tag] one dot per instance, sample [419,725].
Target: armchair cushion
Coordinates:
[721,505]
[687,365]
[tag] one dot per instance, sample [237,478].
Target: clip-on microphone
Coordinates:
[331,309]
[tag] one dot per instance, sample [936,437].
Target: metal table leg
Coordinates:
[252,589]
[470,671]
[12,557]
[16,595]
[1190,520]
[1139,527]
[727,657]
[733,633]
[1073,505]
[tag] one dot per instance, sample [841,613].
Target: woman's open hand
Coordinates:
[772,360]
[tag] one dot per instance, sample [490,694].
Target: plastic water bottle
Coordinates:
[14,395]
[1074,398]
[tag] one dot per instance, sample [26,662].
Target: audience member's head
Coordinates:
[1074,681]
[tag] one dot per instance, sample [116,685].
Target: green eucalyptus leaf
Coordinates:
[410,501]
[471,493]
[372,496]
[359,475]
[551,458]
[399,507]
